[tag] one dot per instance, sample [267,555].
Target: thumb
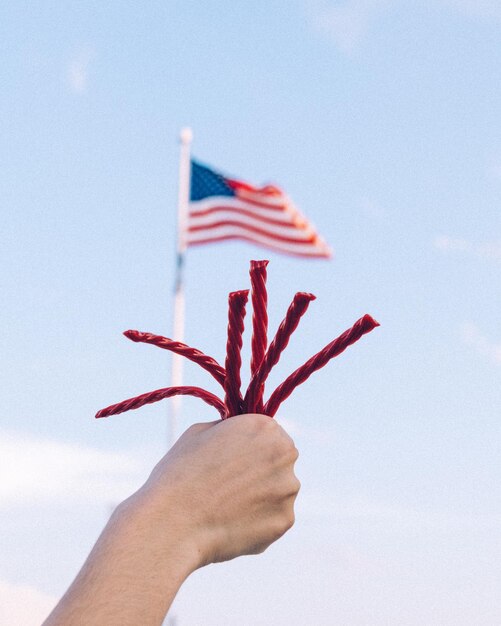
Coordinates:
[200,427]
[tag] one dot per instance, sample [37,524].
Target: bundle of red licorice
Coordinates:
[263,357]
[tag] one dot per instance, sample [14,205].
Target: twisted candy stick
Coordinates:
[160,394]
[262,360]
[259,313]
[362,326]
[236,313]
[298,307]
[207,362]
[259,340]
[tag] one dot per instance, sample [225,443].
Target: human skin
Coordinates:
[225,489]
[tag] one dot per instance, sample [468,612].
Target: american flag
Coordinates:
[223,208]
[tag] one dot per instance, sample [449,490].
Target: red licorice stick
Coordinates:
[298,307]
[262,360]
[160,394]
[236,314]
[259,340]
[207,362]
[364,325]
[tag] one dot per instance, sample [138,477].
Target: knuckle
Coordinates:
[284,522]
[292,489]
[293,453]
[288,521]
[261,548]
[289,450]
[283,440]
[260,418]
[261,423]
[269,423]
[296,485]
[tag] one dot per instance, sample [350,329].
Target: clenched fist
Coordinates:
[231,484]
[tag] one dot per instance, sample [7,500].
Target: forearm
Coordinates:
[133,572]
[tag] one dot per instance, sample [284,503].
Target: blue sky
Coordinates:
[381,120]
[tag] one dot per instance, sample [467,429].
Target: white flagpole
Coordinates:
[185,138]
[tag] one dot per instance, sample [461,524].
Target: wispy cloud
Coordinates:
[39,470]
[78,70]
[346,23]
[473,337]
[23,604]
[490,250]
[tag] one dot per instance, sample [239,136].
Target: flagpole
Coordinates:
[185,139]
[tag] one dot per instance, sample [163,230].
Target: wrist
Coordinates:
[162,530]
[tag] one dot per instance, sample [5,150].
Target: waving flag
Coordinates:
[222,208]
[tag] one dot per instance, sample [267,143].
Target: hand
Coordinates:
[230,486]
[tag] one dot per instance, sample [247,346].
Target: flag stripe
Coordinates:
[289,223]
[268,192]
[281,220]
[306,251]
[258,200]
[271,240]
[234,202]
[235,211]
[199,210]
[205,208]
[302,237]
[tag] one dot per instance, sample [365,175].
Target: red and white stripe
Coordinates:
[265,217]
